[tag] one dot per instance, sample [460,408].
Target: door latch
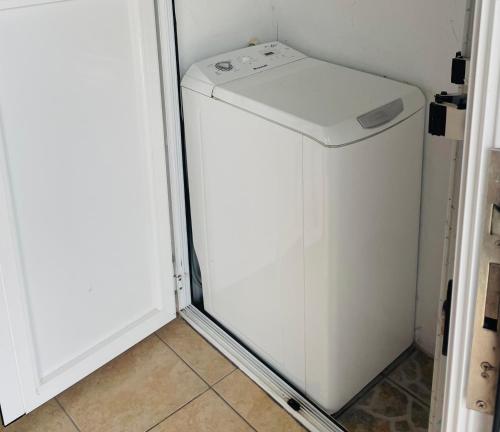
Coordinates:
[446,311]
[485,357]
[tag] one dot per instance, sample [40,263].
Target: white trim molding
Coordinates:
[480,136]
[171,101]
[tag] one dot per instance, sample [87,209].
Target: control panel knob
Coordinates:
[224,66]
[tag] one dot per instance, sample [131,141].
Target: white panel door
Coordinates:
[85,253]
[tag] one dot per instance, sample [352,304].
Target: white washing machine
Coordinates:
[304,180]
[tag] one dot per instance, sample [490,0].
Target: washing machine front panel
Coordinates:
[361,225]
[250,241]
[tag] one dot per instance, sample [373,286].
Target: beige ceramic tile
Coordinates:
[253,404]
[49,417]
[133,392]
[196,351]
[207,413]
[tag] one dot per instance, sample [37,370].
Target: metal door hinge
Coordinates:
[460,69]
[485,357]
[448,111]
[447,116]
[179,282]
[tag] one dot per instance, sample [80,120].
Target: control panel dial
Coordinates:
[224,66]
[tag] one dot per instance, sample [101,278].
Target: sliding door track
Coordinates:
[299,407]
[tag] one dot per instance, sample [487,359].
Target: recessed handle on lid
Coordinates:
[381,115]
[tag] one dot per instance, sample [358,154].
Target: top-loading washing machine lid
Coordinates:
[331,104]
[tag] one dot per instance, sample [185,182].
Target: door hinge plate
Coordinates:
[179,282]
[447,116]
[448,112]
[485,357]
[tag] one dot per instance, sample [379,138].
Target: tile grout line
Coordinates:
[67,414]
[204,339]
[233,408]
[190,367]
[207,341]
[246,421]
[408,392]
[177,410]
[183,361]
[225,376]
[210,386]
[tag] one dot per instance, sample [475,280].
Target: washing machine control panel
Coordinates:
[246,62]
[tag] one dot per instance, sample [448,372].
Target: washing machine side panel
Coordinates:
[193,106]
[249,200]
[361,227]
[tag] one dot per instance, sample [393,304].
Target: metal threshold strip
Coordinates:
[308,415]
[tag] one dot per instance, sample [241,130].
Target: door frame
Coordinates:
[15,362]
[480,135]
[167,41]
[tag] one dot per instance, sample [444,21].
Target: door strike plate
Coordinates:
[485,357]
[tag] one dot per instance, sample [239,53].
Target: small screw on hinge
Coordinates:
[481,404]
[178,278]
[486,367]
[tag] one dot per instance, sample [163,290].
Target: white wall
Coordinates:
[210,27]
[408,40]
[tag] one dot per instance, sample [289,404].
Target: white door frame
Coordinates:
[171,101]
[481,134]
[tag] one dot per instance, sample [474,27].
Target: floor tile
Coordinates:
[196,351]
[254,405]
[386,408]
[134,392]
[207,413]
[415,375]
[49,417]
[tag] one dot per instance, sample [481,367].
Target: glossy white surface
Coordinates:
[299,242]
[84,187]
[318,99]
[245,186]
[361,222]
[205,75]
